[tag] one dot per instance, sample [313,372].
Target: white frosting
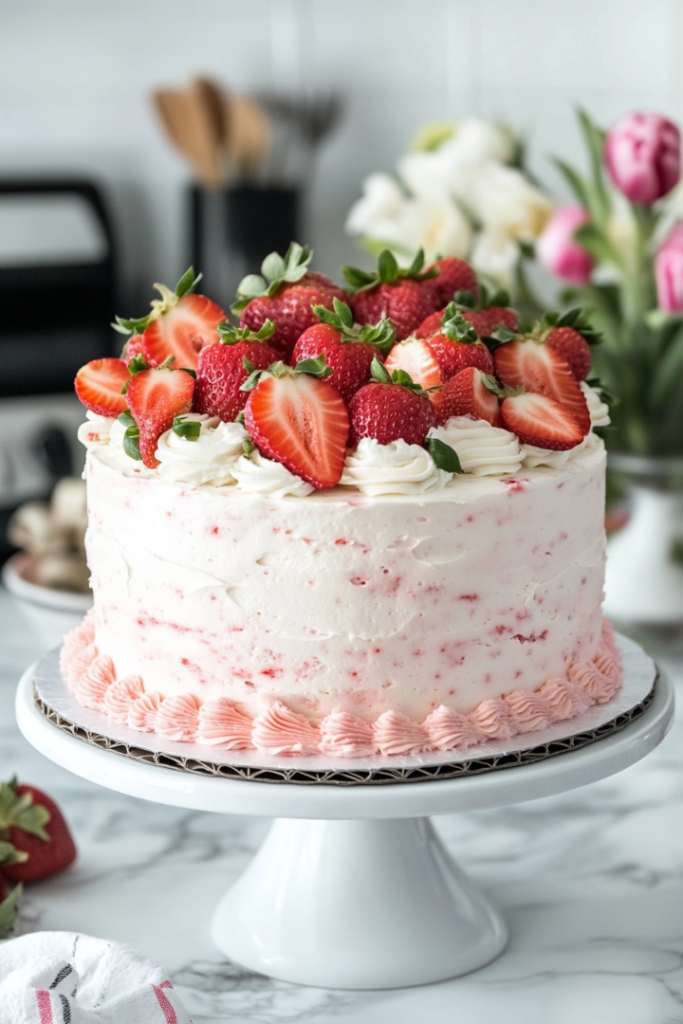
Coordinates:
[483,450]
[95,430]
[597,409]
[207,460]
[258,475]
[396,468]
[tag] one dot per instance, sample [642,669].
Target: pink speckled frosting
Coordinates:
[279,730]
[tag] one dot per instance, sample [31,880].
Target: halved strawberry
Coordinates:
[155,397]
[539,420]
[180,324]
[418,359]
[300,421]
[541,369]
[573,347]
[471,393]
[99,383]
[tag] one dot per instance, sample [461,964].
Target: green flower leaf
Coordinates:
[444,456]
[189,429]
[126,417]
[131,443]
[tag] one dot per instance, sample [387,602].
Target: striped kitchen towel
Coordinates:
[65,978]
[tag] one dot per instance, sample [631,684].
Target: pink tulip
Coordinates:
[669,272]
[557,250]
[643,156]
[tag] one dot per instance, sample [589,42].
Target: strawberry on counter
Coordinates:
[32,824]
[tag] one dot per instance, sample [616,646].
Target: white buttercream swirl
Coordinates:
[95,431]
[396,468]
[258,475]
[207,460]
[597,409]
[483,450]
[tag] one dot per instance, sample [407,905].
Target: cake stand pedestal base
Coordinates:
[357,904]
[352,888]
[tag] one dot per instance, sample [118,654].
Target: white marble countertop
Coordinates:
[591,883]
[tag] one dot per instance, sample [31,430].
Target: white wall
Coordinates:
[75,77]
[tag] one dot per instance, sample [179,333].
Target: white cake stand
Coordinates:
[352,888]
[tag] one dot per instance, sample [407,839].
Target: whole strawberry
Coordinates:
[155,397]
[455,275]
[33,824]
[285,294]
[295,417]
[391,408]
[432,324]
[349,351]
[221,369]
[391,292]
[456,344]
[180,325]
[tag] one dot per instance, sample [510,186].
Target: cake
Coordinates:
[402,608]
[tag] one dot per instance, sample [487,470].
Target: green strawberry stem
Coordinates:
[159,306]
[388,271]
[382,334]
[276,270]
[20,812]
[9,911]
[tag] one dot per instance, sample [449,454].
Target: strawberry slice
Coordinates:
[180,325]
[182,331]
[301,422]
[155,397]
[544,371]
[539,420]
[98,385]
[471,393]
[419,360]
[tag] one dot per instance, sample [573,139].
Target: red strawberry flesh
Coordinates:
[182,331]
[155,397]
[541,421]
[302,423]
[98,385]
[544,371]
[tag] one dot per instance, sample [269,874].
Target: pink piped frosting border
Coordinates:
[278,730]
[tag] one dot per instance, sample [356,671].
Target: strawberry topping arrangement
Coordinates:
[35,842]
[312,369]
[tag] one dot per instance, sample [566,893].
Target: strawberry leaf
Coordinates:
[358,278]
[248,446]
[443,455]
[273,267]
[387,267]
[131,443]
[189,429]
[455,327]
[10,855]
[382,335]
[466,298]
[21,812]
[314,368]
[187,282]
[379,372]
[9,911]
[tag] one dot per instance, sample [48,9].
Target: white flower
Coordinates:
[382,200]
[504,200]
[495,253]
[476,141]
[438,226]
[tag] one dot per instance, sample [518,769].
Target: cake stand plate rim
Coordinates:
[553,775]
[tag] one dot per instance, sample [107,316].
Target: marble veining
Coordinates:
[591,883]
